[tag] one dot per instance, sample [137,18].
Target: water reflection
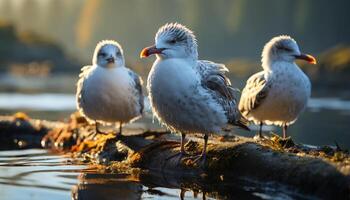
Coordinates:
[151,185]
[38,174]
[106,186]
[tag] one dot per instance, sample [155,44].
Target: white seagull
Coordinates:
[279,93]
[107,91]
[186,94]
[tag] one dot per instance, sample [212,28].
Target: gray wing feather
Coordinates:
[80,87]
[138,85]
[253,93]
[213,78]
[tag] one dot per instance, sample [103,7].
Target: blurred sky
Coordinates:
[225,28]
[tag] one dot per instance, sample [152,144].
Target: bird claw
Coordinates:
[259,137]
[197,160]
[98,131]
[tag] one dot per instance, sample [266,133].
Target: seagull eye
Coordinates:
[173,41]
[284,48]
[102,54]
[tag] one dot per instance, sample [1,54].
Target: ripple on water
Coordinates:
[36,174]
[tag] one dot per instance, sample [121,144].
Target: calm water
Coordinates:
[37,174]
[325,121]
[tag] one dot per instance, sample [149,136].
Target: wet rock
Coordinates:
[20,131]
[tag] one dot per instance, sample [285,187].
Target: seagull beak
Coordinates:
[307,57]
[110,60]
[149,51]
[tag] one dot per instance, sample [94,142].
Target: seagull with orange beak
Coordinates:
[189,95]
[279,93]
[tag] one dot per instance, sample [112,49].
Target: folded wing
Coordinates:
[254,93]
[213,77]
[138,88]
[80,86]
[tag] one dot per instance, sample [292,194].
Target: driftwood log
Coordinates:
[317,171]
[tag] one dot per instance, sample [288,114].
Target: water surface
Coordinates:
[37,174]
[324,122]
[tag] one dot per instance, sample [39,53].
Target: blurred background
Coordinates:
[43,45]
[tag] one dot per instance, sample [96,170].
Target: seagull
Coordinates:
[186,94]
[279,93]
[107,91]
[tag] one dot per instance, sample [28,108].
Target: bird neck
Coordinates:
[187,59]
[278,65]
[110,66]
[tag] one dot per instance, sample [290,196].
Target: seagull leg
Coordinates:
[120,127]
[182,149]
[97,130]
[285,131]
[203,157]
[260,130]
[204,152]
[118,134]
[180,154]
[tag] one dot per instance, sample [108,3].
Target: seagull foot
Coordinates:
[259,137]
[287,142]
[98,131]
[197,161]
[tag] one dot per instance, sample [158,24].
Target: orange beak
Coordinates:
[149,51]
[307,57]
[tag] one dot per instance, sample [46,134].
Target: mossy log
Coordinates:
[321,172]
[246,158]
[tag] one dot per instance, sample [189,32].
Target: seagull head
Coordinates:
[173,40]
[283,48]
[108,53]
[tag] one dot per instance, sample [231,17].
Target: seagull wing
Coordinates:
[80,86]
[213,78]
[138,86]
[254,93]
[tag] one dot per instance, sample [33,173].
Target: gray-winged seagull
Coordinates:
[186,94]
[279,93]
[107,91]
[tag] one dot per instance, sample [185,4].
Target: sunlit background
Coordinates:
[43,45]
